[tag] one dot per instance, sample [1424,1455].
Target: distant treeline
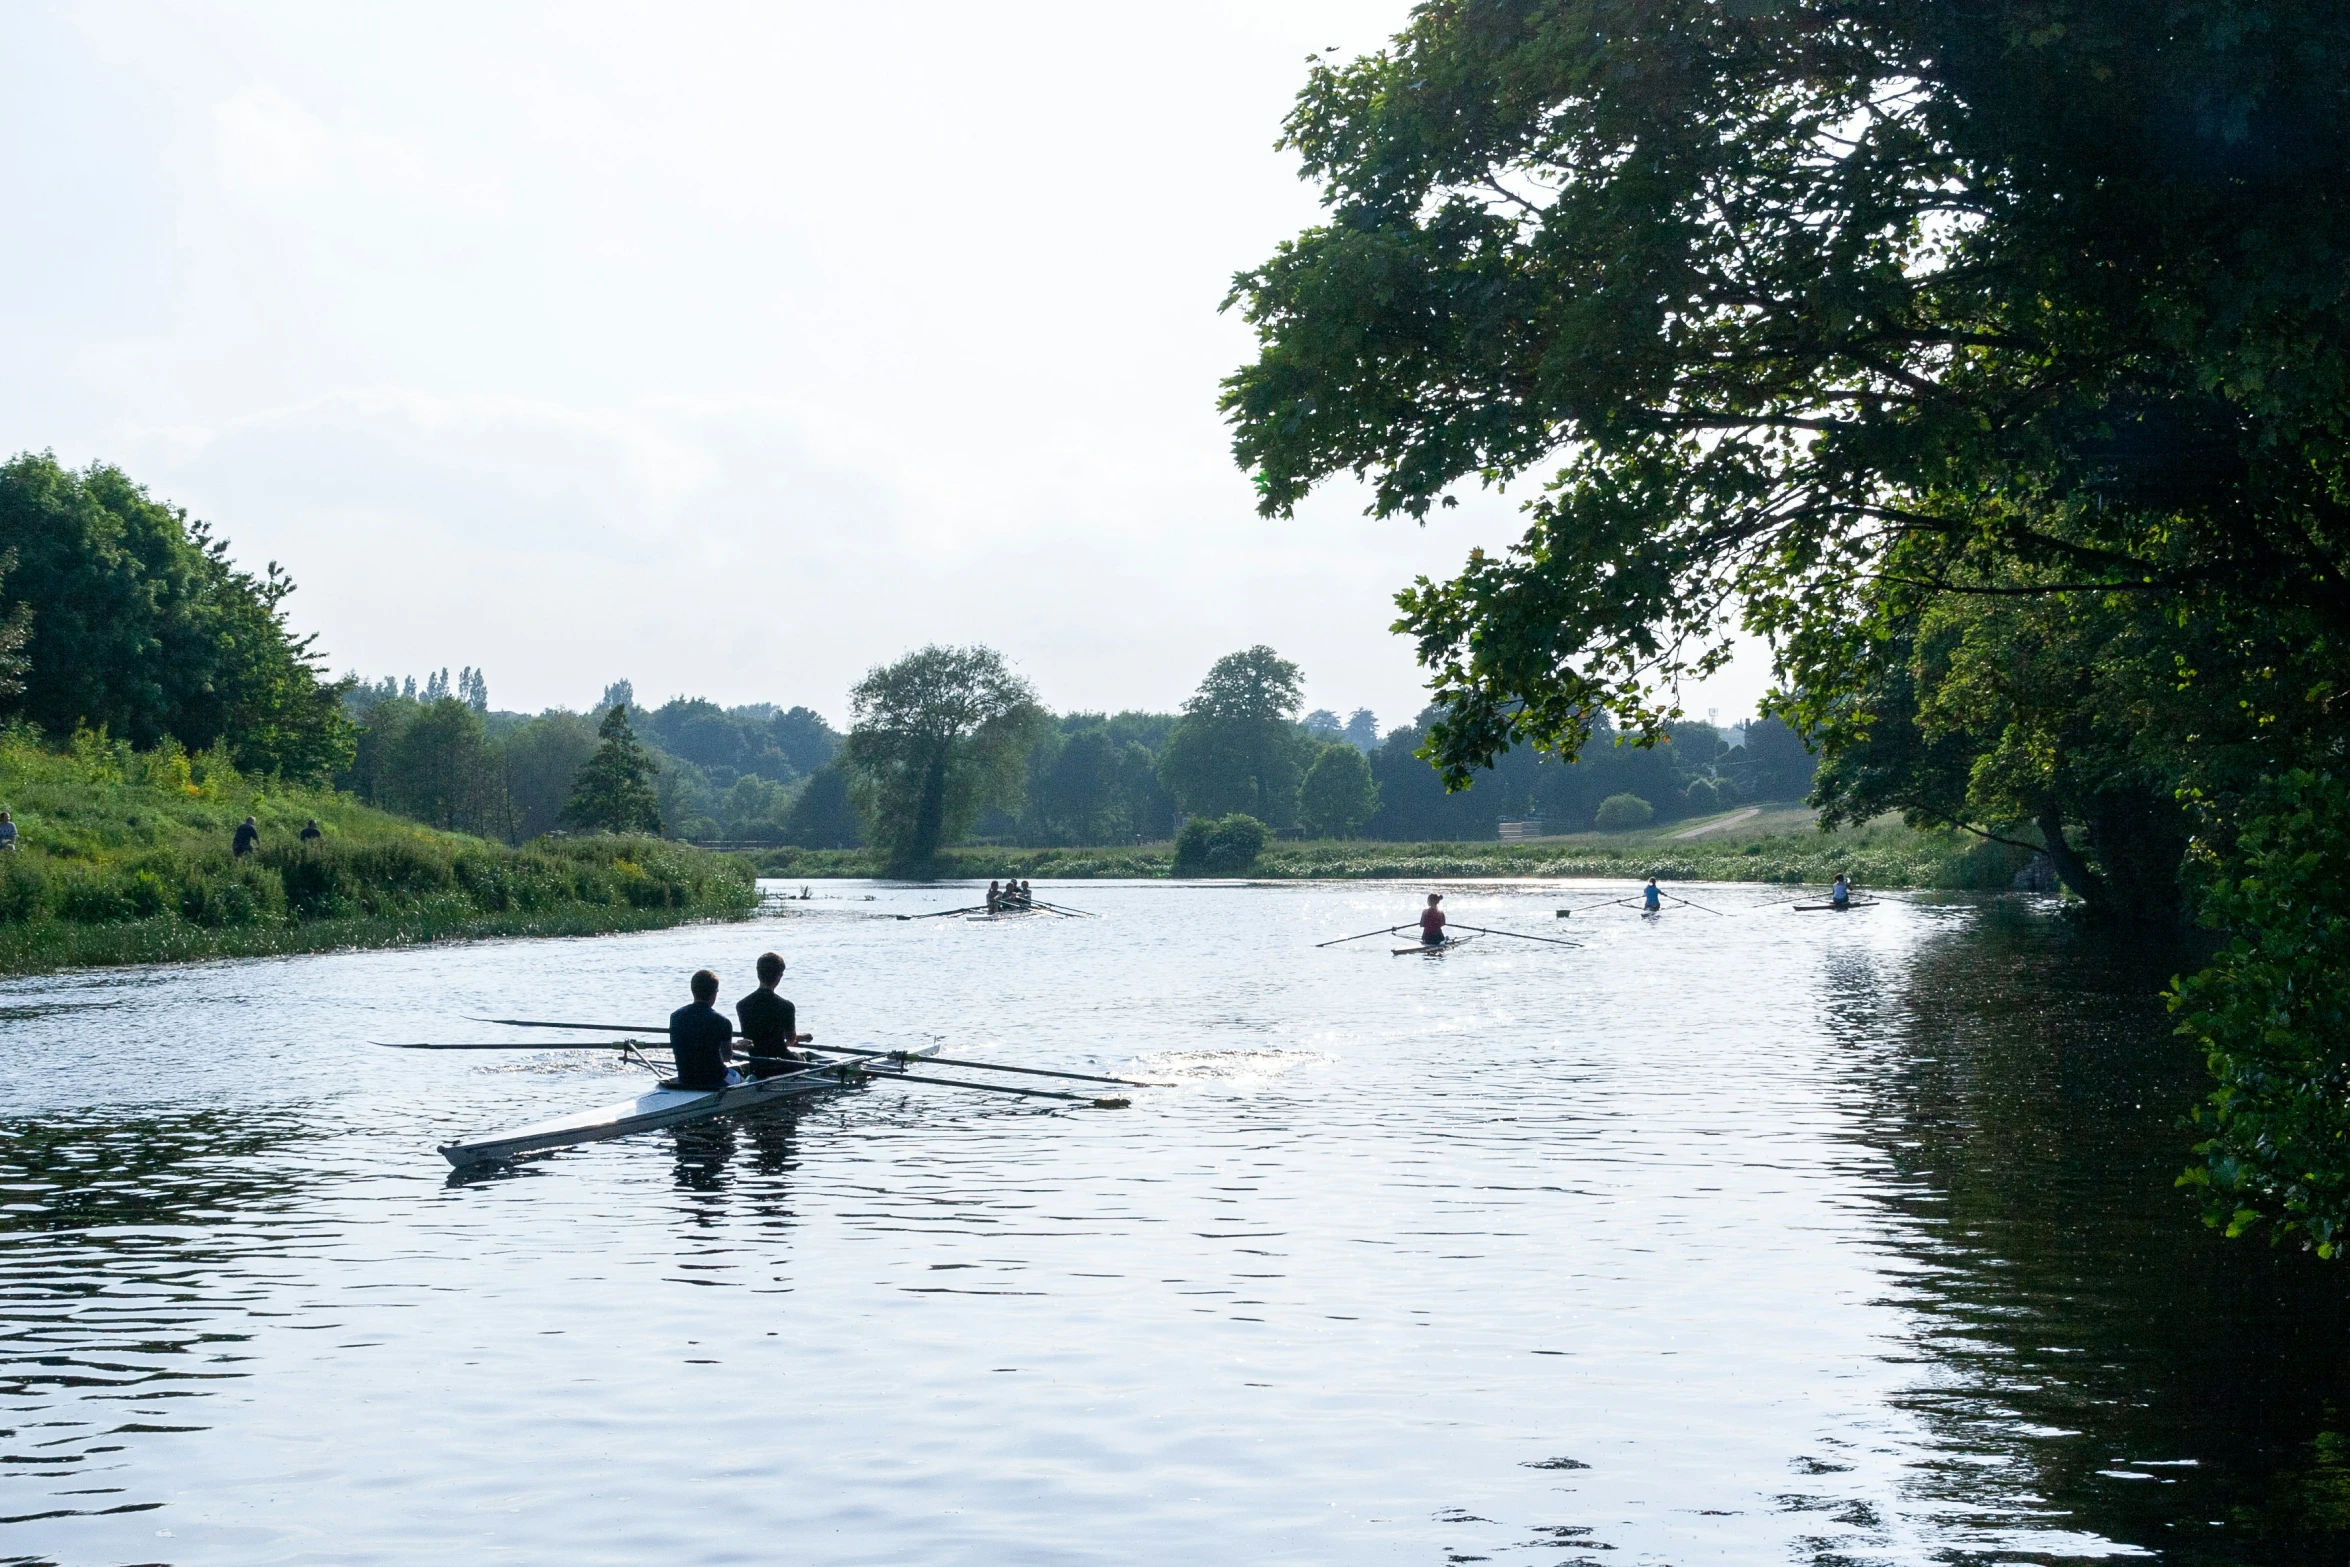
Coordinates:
[765,774]
[443,756]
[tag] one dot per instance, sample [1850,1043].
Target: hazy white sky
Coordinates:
[731,349]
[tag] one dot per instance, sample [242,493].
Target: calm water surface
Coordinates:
[1760,1237]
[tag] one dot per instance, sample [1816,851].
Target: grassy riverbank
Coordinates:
[125,858]
[1777,844]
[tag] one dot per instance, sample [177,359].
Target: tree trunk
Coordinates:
[931,816]
[2140,839]
[2073,870]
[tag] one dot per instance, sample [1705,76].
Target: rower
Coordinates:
[1840,895]
[995,898]
[1651,901]
[770,1023]
[700,1039]
[1027,896]
[1432,922]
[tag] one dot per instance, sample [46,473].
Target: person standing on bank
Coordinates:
[7,833]
[248,838]
[310,832]
[700,1039]
[770,1023]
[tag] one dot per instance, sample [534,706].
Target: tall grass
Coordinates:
[125,858]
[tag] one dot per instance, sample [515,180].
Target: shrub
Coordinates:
[1623,812]
[1220,845]
[1702,798]
[2272,1014]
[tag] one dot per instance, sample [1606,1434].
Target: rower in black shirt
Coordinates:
[770,1023]
[699,1038]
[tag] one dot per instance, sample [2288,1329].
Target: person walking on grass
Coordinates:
[7,833]
[248,838]
[310,832]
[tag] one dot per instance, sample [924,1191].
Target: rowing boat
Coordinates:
[666,1106]
[1446,945]
[1006,914]
[1835,908]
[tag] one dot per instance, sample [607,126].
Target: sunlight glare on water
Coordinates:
[1698,1241]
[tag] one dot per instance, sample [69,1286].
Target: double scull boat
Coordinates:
[667,1106]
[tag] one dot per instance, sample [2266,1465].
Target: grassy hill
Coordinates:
[1777,843]
[124,858]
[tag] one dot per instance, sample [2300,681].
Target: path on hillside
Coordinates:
[1732,820]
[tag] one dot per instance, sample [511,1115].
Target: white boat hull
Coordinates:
[662,1107]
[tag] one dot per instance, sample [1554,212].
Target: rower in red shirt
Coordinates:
[1432,922]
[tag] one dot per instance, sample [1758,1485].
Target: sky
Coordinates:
[728,349]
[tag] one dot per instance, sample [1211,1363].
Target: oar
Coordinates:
[986,1066]
[1677,898]
[1388,931]
[523,1044]
[1082,914]
[993,1066]
[1001,1088]
[1553,940]
[585,1028]
[940,914]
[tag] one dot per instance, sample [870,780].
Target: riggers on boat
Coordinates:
[1431,948]
[667,1106]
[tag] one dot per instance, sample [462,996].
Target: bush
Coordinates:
[1702,798]
[1623,812]
[2272,1014]
[1220,845]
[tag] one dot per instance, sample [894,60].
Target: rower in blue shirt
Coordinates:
[1651,901]
[1840,895]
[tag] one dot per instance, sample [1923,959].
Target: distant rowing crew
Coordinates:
[1436,931]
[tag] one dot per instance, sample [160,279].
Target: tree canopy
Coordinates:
[141,625]
[613,791]
[938,737]
[1822,313]
[1238,747]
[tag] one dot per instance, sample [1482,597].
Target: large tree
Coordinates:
[1817,316]
[142,626]
[444,771]
[614,789]
[1238,746]
[937,737]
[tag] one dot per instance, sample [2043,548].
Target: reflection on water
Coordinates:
[121,1238]
[2156,1384]
[1735,1239]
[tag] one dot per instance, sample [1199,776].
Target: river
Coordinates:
[1736,1236]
